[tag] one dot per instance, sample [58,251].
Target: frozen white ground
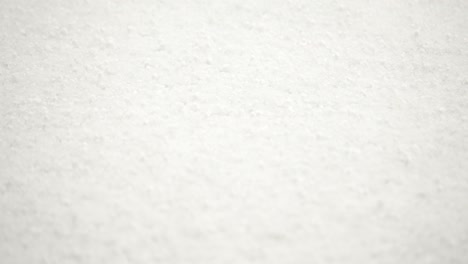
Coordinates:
[275,132]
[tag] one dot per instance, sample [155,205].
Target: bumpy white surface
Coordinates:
[233,132]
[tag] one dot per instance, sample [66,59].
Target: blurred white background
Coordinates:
[233,132]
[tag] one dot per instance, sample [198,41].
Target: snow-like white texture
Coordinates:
[276,132]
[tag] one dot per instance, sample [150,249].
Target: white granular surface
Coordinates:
[198,132]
